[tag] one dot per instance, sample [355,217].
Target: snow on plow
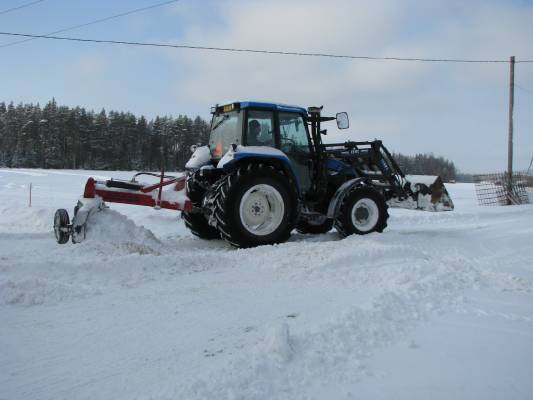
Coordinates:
[169,193]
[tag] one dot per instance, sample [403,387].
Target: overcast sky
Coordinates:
[459,111]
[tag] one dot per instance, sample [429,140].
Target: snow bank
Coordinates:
[339,347]
[277,343]
[109,231]
[26,220]
[142,309]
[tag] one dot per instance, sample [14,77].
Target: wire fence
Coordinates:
[498,190]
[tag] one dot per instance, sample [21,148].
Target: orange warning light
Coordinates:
[218,150]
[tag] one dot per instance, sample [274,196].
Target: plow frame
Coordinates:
[131,192]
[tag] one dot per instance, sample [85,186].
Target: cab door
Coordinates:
[294,142]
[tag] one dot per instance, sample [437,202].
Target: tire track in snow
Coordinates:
[296,364]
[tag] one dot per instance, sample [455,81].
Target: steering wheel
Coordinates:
[289,146]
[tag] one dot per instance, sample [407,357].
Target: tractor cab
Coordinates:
[293,130]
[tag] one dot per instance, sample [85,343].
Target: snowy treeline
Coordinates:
[426,164]
[61,137]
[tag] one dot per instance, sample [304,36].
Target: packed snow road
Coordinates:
[438,306]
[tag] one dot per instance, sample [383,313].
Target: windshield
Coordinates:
[226,129]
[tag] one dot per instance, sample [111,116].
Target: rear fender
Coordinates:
[342,191]
[268,155]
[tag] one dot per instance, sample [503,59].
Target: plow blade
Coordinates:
[427,193]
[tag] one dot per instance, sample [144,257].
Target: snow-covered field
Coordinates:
[439,306]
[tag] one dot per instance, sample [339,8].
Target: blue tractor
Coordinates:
[266,172]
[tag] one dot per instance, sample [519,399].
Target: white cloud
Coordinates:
[416,106]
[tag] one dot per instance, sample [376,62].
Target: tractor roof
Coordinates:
[272,106]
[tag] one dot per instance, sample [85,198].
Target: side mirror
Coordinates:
[342,120]
[193,148]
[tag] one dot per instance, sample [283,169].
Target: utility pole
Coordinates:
[510,139]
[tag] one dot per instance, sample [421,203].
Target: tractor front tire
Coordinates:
[255,205]
[197,224]
[363,210]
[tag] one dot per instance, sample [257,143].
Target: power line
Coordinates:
[277,52]
[97,21]
[523,88]
[31,3]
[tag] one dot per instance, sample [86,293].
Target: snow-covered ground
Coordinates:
[439,306]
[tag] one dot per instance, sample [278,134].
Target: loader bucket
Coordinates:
[428,193]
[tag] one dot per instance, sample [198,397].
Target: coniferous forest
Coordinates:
[56,136]
[427,164]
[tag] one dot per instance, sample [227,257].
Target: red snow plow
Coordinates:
[168,193]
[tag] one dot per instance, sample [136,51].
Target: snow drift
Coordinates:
[436,306]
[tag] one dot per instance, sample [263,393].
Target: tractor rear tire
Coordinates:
[195,192]
[197,224]
[255,205]
[315,228]
[363,210]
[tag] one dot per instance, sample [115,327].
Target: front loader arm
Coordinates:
[373,161]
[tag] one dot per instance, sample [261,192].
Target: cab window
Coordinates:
[293,133]
[260,128]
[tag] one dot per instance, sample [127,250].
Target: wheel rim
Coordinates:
[261,210]
[365,215]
